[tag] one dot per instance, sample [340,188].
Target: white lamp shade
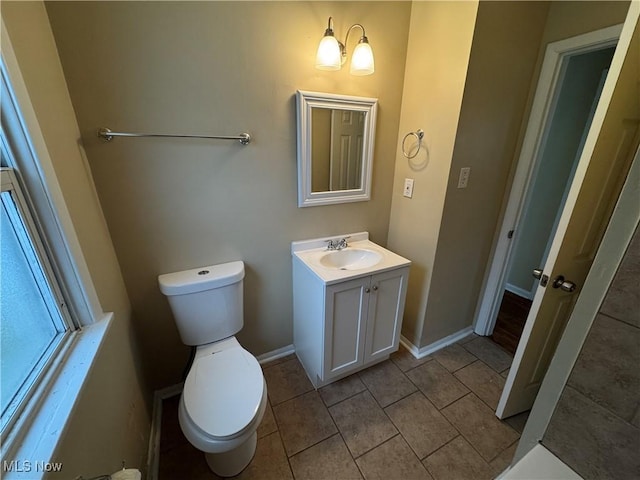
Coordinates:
[328,56]
[362,60]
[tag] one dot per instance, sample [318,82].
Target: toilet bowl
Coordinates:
[225,394]
[222,405]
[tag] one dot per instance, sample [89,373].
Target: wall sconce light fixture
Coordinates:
[332,53]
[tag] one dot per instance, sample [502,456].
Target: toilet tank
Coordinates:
[206,302]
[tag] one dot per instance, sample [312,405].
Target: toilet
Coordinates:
[225,394]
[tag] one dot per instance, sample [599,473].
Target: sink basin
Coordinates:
[362,257]
[350,259]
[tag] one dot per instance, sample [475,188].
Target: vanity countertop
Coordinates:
[313,253]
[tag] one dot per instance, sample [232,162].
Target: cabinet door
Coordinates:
[386,306]
[345,325]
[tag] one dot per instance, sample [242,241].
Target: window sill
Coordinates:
[30,446]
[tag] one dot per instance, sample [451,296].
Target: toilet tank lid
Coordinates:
[200,279]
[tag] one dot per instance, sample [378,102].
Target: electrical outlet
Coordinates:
[408,187]
[463,179]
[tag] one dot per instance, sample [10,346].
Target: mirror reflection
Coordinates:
[335,147]
[336,153]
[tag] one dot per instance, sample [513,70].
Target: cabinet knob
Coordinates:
[375,287]
[367,290]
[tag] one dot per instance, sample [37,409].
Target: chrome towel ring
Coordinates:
[419,134]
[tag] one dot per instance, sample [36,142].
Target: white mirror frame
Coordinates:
[305,102]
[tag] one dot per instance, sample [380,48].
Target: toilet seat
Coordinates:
[223,391]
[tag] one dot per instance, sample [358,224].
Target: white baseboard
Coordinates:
[153,457]
[275,354]
[521,292]
[435,346]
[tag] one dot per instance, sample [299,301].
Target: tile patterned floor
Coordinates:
[405,418]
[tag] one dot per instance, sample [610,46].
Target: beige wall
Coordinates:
[471,216]
[321,149]
[111,420]
[437,60]
[219,68]
[446,231]
[568,19]
[225,67]
[505,48]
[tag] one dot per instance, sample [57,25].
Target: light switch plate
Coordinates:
[408,187]
[463,179]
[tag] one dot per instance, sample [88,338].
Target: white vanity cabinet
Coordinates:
[342,325]
[362,320]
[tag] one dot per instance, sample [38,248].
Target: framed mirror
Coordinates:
[335,147]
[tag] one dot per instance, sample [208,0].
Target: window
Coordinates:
[51,323]
[33,318]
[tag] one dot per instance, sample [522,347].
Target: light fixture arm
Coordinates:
[343,46]
[329,30]
[364,35]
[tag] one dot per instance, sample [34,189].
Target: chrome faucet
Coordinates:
[342,244]
[331,244]
[337,244]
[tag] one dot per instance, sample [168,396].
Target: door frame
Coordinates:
[624,221]
[551,75]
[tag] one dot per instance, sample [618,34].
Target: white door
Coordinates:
[602,168]
[347,129]
[386,306]
[345,323]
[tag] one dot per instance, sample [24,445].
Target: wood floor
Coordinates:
[511,319]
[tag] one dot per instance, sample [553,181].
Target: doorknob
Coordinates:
[562,284]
